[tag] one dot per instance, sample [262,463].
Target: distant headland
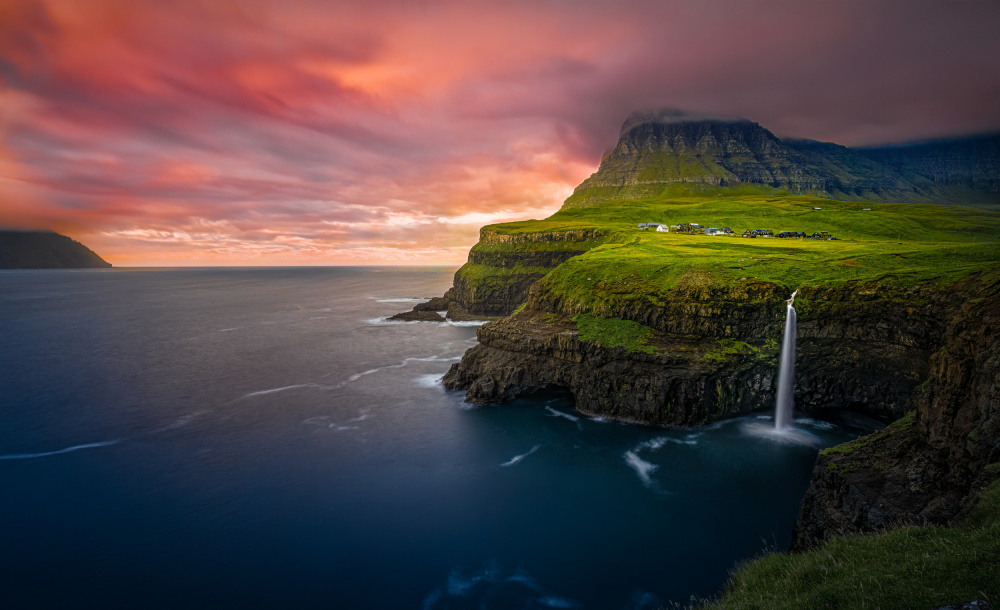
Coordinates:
[45,250]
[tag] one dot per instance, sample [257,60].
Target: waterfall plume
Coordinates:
[786,371]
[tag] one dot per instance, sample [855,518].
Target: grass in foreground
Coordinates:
[909,568]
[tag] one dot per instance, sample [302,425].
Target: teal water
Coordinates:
[262,438]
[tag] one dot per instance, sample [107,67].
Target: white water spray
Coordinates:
[786,371]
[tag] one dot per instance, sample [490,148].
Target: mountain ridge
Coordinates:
[657,149]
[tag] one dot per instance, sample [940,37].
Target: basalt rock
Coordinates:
[500,270]
[866,347]
[531,352]
[924,469]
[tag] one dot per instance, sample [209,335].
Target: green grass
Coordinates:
[614,332]
[895,243]
[901,425]
[726,349]
[907,568]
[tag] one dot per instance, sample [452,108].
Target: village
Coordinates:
[691,228]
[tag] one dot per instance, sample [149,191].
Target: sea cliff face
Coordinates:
[924,468]
[897,319]
[500,270]
[713,353]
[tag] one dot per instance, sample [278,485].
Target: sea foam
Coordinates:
[28,456]
[517,458]
[557,413]
[640,466]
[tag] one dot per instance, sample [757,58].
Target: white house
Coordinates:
[663,229]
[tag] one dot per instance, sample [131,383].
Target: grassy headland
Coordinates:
[899,243]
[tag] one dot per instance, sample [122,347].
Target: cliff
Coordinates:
[45,250]
[925,468]
[898,318]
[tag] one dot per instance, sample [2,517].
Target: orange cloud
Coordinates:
[249,132]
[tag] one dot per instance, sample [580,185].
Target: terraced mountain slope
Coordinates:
[670,147]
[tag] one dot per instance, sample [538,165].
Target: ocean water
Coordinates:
[262,438]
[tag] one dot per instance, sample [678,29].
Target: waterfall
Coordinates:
[786,371]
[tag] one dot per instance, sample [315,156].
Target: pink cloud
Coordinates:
[313,132]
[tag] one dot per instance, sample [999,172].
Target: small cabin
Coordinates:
[663,229]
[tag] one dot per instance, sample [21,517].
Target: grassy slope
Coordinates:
[906,568]
[904,243]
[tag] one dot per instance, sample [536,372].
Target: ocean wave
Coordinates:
[517,458]
[432,380]
[484,588]
[385,321]
[660,441]
[556,413]
[282,389]
[180,422]
[404,300]
[404,363]
[460,586]
[28,456]
[640,466]
[557,602]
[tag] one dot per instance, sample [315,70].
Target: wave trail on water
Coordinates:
[640,466]
[28,456]
[557,602]
[282,389]
[489,590]
[557,413]
[404,363]
[180,422]
[404,300]
[517,458]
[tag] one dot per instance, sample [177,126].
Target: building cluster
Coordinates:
[693,227]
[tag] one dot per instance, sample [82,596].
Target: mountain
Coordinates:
[45,250]
[657,149]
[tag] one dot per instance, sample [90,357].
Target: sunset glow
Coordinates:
[309,133]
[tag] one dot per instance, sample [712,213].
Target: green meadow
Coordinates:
[898,243]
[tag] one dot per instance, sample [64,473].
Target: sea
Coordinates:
[266,438]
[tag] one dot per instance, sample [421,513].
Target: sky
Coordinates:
[351,133]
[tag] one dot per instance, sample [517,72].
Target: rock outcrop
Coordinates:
[923,469]
[500,270]
[863,346]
